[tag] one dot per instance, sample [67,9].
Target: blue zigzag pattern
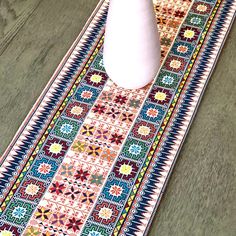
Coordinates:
[49,108]
[180,118]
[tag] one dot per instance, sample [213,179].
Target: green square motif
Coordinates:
[196,20]
[167,79]
[66,128]
[134,149]
[19,212]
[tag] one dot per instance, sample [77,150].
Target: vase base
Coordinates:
[130,86]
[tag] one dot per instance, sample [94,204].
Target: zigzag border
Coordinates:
[50,100]
[47,103]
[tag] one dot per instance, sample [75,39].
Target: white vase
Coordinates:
[132,43]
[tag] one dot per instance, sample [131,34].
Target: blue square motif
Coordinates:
[44,168]
[183,49]
[153,113]
[86,94]
[116,190]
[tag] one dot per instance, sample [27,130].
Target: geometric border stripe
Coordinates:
[54,93]
[182,118]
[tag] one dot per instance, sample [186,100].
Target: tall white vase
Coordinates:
[132,43]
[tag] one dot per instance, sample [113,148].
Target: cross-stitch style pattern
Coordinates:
[87,163]
[134,158]
[94,158]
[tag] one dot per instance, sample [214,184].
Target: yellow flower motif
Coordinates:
[189,34]
[94,150]
[201,7]
[32,189]
[175,64]
[6,233]
[125,169]
[55,148]
[105,213]
[32,231]
[79,146]
[160,96]
[43,214]
[76,110]
[144,130]
[96,78]
[87,130]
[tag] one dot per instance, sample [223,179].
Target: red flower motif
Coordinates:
[116,138]
[87,197]
[167,11]
[101,213]
[176,64]
[179,14]
[44,168]
[127,117]
[139,130]
[57,188]
[74,224]
[82,175]
[32,193]
[99,109]
[120,99]
[76,110]
[72,193]
[201,8]
[113,113]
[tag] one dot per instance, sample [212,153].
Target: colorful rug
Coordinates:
[93,159]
